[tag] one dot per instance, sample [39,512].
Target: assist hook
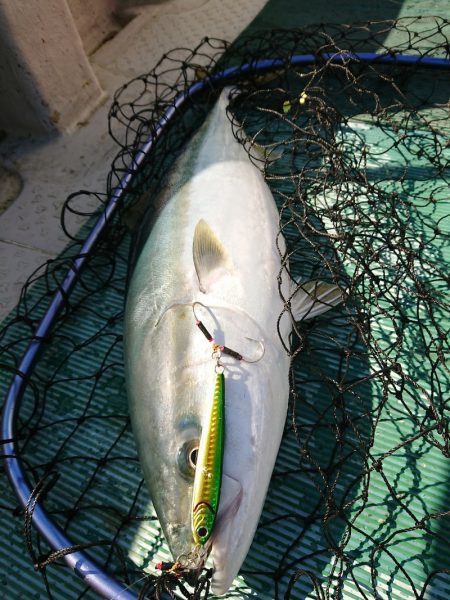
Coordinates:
[225,349]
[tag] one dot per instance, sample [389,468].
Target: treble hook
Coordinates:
[225,349]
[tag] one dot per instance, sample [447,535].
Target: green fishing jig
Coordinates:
[208,469]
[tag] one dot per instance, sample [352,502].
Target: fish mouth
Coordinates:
[223,545]
[179,538]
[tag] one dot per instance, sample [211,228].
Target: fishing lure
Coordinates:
[208,469]
[209,464]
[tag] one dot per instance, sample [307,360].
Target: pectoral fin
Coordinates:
[313,298]
[209,254]
[269,154]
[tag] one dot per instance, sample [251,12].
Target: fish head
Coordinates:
[169,387]
[169,474]
[174,508]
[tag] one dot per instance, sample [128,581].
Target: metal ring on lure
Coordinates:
[185,563]
[225,349]
[216,355]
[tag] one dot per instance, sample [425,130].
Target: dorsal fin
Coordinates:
[209,254]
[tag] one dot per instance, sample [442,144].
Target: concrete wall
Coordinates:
[46,81]
[95,20]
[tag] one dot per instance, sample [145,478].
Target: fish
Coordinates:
[210,267]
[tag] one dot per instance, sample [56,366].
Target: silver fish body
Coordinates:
[232,271]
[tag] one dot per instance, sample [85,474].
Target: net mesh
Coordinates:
[357,157]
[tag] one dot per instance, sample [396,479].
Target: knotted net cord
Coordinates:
[357,157]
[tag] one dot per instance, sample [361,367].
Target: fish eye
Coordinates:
[187,457]
[202,531]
